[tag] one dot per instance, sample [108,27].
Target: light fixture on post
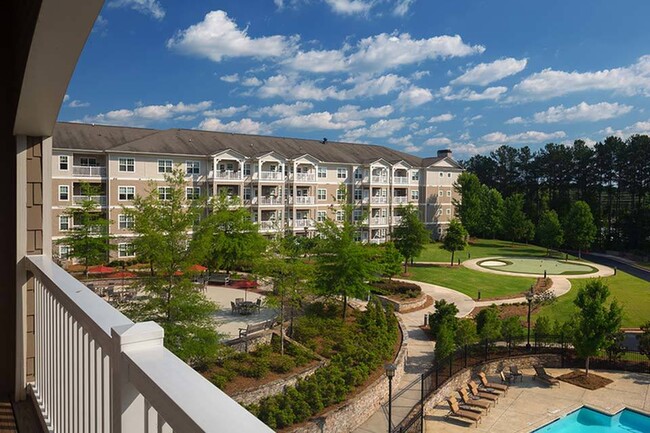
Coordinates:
[529,297]
[390,373]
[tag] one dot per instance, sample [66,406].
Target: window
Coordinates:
[356,215]
[165,166]
[441,193]
[64,252]
[247,169]
[192,192]
[448,211]
[85,161]
[64,192]
[164,192]
[448,174]
[192,167]
[322,172]
[341,173]
[247,193]
[415,175]
[322,194]
[415,194]
[125,221]
[64,222]
[340,194]
[321,216]
[358,194]
[449,193]
[126,193]
[339,216]
[126,164]
[63,162]
[125,250]
[358,173]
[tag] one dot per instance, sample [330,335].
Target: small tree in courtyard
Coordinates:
[488,324]
[455,239]
[445,344]
[410,236]
[391,261]
[512,331]
[445,312]
[580,229]
[595,324]
[549,231]
[465,332]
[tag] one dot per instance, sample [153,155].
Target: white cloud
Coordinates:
[380,129]
[402,7]
[218,36]
[406,140]
[349,7]
[419,74]
[582,112]
[353,112]
[425,131]
[412,149]
[225,112]
[289,87]
[642,128]
[549,83]
[243,126]
[78,104]
[523,137]
[486,73]
[66,98]
[233,78]
[515,120]
[322,120]
[414,97]
[446,117]
[251,82]
[471,149]
[364,86]
[152,8]
[438,141]
[147,114]
[283,110]
[100,26]
[382,52]
[466,94]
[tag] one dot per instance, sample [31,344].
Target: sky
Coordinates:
[414,75]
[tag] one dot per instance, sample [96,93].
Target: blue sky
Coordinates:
[415,75]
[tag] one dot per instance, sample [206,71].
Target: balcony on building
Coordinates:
[302,222]
[397,219]
[379,175]
[302,196]
[89,166]
[228,169]
[400,196]
[98,194]
[401,177]
[270,172]
[377,217]
[378,236]
[304,173]
[378,196]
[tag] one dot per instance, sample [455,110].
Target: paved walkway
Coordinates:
[529,405]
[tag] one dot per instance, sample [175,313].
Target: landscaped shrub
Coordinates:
[257,368]
[386,287]
[281,363]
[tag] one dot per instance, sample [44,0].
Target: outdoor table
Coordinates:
[246,307]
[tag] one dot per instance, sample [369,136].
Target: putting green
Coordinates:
[523,265]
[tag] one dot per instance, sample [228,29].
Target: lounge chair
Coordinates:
[505,377]
[469,401]
[473,389]
[542,375]
[465,415]
[489,385]
[514,372]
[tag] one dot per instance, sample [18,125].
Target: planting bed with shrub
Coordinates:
[398,289]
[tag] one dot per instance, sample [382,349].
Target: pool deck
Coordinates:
[530,404]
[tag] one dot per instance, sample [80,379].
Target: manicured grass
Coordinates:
[631,292]
[483,248]
[469,282]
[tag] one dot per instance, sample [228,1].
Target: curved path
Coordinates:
[602,271]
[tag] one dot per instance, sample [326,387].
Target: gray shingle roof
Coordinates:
[204,143]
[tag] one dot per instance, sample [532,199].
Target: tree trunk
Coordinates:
[452,258]
[579,254]
[345,306]
[587,366]
[406,263]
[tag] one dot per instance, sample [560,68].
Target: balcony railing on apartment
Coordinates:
[99,199]
[265,226]
[377,240]
[400,180]
[271,175]
[228,175]
[305,199]
[305,177]
[97,371]
[397,219]
[302,223]
[269,200]
[88,171]
[379,179]
[400,199]
[378,220]
[379,199]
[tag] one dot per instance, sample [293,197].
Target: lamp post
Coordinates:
[529,298]
[390,373]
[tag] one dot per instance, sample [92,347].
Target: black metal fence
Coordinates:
[476,354]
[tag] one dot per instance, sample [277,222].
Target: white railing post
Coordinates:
[129,405]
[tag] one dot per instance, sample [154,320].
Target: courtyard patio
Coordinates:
[530,404]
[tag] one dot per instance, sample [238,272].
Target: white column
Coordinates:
[21,273]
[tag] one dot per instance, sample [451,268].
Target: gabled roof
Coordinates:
[233,152]
[429,162]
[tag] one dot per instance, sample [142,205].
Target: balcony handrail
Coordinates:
[96,369]
[99,199]
[89,170]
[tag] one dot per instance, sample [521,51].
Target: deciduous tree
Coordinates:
[410,236]
[549,231]
[580,229]
[455,239]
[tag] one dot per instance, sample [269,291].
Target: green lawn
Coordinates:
[482,248]
[631,292]
[469,282]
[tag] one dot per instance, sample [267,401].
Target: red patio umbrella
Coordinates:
[101,269]
[197,268]
[123,274]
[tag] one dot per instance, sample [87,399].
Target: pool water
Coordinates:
[585,420]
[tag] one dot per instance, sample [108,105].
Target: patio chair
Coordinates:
[514,372]
[489,385]
[239,300]
[542,375]
[473,403]
[505,377]
[473,389]
[258,305]
[465,415]
[234,308]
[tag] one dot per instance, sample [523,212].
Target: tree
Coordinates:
[163,220]
[511,330]
[445,344]
[410,236]
[595,323]
[88,238]
[228,238]
[469,209]
[516,226]
[455,239]
[549,231]
[391,261]
[488,324]
[465,332]
[644,339]
[445,312]
[542,329]
[580,229]
[492,212]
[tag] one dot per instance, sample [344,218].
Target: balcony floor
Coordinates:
[25,419]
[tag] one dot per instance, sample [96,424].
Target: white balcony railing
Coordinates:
[305,177]
[302,223]
[266,226]
[379,199]
[379,179]
[269,201]
[377,240]
[97,371]
[379,220]
[400,180]
[305,199]
[400,199]
[228,175]
[88,171]
[99,199]
[397,219]
[271,175]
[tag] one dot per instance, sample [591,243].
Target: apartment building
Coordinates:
[288,184]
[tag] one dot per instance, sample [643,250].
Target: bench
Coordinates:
[222,279]
[251,329]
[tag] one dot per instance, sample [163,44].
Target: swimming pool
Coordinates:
[586,420]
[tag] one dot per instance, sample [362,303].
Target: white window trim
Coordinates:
[124,218]
[127,165]
[321,215]
[125,199]
[165,188]
[164,166]
[192,189]
[67,192]
[120,251]
[67,254]
[339,171]
[324,194]
[195,165]
[69,220]
[415,194]
[322,172]
[449,193]
[340,216]
[67,162]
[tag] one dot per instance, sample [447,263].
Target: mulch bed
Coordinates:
[590,382]
[426,305]
[508,310]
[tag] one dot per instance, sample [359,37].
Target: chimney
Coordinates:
[444,153]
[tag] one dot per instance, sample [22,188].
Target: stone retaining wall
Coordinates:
[404,306]
[357,410]
[461,378]
[251,342]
